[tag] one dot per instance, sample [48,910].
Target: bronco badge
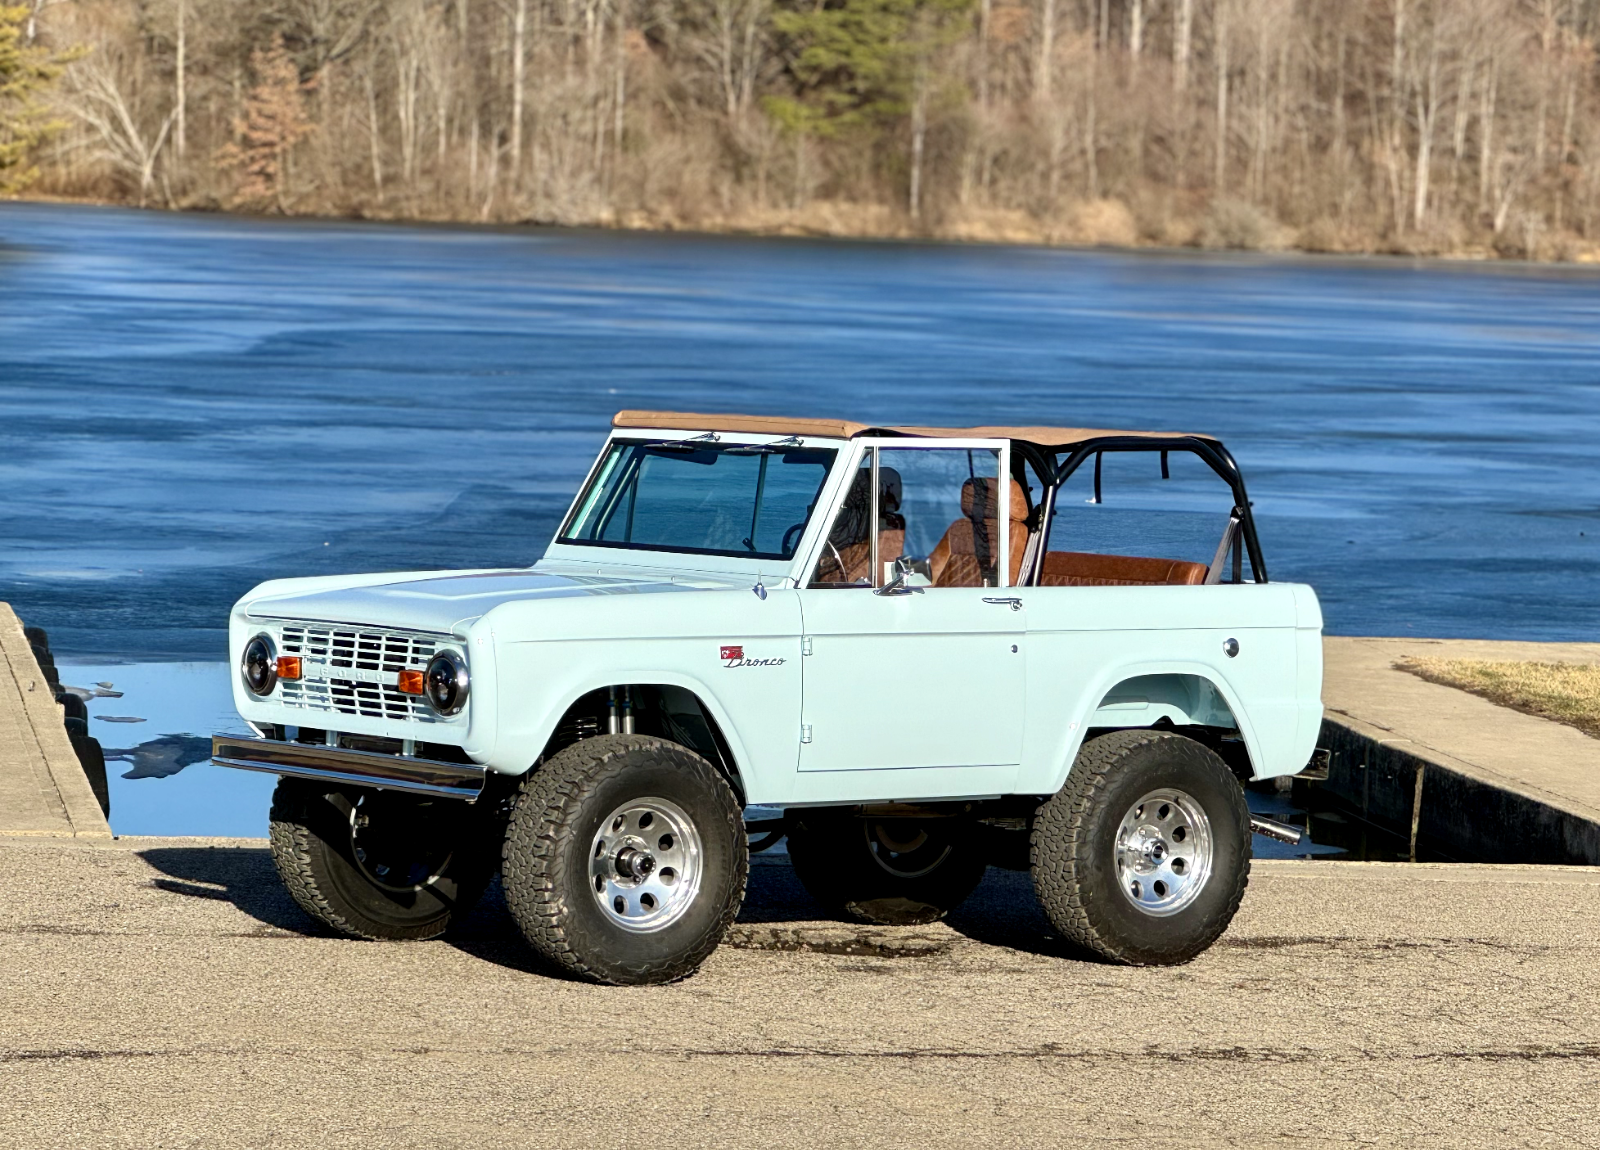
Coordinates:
[733,656]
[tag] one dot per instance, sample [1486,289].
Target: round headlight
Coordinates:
[259,665]
[447,683]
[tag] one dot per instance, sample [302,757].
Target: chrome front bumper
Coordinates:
[361,768]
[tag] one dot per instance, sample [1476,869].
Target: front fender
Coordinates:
[516,750]
[547,656]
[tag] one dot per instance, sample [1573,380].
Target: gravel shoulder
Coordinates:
[168,993]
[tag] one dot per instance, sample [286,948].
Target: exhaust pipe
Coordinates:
[1273,829]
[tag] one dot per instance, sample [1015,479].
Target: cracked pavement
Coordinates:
[168,993]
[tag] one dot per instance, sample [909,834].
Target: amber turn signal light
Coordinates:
[288,666]
[413,682]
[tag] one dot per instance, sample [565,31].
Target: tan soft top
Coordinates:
[846,429]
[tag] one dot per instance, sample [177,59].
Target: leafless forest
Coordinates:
[1427,126]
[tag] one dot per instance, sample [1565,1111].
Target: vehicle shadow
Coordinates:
[246,877]
[243,876]
[772,895]
[1004,911]
[1001,912]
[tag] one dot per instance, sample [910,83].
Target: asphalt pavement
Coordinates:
[163,993]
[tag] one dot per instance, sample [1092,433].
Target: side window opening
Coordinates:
[938,510]
[1140,518]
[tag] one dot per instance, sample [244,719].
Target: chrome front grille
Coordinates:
[353,671]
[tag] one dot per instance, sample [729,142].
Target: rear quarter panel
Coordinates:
[1083,641]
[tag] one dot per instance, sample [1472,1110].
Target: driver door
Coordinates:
[923,677]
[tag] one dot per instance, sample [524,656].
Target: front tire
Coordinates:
[379,864]
[893,872]
[625,860]
[1143,857]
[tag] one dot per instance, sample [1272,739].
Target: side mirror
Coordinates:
[910,578]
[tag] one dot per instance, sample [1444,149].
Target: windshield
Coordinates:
[702,499]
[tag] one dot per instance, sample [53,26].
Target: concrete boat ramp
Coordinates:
[168,993]
[1475,780]
[43,790]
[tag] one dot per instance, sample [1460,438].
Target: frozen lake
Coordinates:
[191,404]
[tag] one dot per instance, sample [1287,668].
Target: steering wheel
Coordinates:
[790,537]
[837,558]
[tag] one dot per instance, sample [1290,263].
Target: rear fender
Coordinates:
[1139,696]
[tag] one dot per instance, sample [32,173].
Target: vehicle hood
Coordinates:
[443,603]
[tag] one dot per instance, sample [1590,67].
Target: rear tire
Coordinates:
[893,872]
[380,864]
[625,860]
[1144,855]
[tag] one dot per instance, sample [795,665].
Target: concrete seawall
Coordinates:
[43,790]
[1476,781]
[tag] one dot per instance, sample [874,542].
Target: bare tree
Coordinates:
[732,39]
[1182,31]
[519,63]
[103,91]
[1419,125]
[1221,37]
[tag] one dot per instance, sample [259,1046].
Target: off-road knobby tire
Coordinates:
[545,867]
[1074,851]
[833,860]
[312,850]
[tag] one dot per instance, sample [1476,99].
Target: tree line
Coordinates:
[1427,126]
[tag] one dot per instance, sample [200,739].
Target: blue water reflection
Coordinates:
[159,771]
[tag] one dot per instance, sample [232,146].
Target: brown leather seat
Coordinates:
[1081,569]
[970,549]
[857,558]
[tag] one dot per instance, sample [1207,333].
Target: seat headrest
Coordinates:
[970,497]
[852,522]
[890,489]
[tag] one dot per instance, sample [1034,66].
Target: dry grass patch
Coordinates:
[1566,692]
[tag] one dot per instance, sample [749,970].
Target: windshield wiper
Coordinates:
[693,444]
[784,444]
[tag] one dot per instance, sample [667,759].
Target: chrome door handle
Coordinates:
[1014,604]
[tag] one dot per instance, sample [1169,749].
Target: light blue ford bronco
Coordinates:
[908,652]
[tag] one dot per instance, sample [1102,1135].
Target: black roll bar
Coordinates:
[1215,455]
[1210,451]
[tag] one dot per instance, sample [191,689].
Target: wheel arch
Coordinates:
[1183,697]
[675,708]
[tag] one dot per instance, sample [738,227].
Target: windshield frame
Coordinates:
[634,437]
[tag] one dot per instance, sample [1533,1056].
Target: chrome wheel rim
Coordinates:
[1164,852]
[645,865]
